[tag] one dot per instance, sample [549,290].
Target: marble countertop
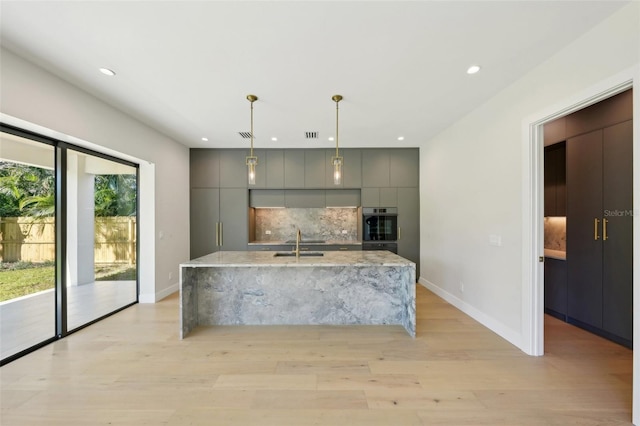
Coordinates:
[329,258]
[555,254]
[303,242]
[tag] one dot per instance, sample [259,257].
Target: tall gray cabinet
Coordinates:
[600,219]
[219,201]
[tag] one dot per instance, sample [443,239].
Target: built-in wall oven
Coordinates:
[380,228]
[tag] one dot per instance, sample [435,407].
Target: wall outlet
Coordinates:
[268,232]
[344,231]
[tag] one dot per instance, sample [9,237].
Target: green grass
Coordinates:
[23,278]
[20,280]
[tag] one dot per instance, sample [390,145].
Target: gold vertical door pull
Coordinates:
[221,235]
[596,222]
[399,233]
[604,229]
[217,234]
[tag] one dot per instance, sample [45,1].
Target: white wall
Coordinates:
[471,178]
[32,98]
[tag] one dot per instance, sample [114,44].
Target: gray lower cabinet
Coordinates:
[269,247]
[409,225]
[204,216]
[219,220]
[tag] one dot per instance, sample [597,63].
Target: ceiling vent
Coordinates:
[245,135]
[311,135]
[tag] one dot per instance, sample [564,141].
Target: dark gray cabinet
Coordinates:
[599,231]
[233,168]
[555,287]
[555,187]
[380,197]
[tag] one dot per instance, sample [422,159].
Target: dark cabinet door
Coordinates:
[584,239]
[555,287]
[617,278]
[555,187]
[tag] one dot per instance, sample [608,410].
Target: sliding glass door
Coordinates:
[101,237]
[68,239]
[27,244]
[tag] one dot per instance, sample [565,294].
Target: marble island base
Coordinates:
[255,288]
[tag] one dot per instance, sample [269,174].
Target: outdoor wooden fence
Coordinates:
[33,240]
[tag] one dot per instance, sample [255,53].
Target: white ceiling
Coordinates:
[185,67]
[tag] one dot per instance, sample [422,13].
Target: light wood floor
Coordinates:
[131,369]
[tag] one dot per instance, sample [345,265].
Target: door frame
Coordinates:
[533,212]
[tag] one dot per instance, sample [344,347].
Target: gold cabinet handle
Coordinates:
[596,222]
[604,229]
[217,234]
[399,233]
[221,235]
[344,248]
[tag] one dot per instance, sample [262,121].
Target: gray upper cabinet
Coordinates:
[275,168]
[314,168]
[266,198]
[204,168]
[294,168]
[342,197]
[351,169]
[370,197]
[388,197]
[375,168]
[233,168]
[403,167]
[304,198]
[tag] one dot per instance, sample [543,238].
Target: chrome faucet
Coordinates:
[298,238]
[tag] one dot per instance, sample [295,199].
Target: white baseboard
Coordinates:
[489,322]
[157,296]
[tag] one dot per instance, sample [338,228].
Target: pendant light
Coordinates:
[251,160]
[337,161]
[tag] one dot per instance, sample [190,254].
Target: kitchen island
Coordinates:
[318,288]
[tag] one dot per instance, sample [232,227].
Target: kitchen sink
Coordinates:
[306,241]
[302,254]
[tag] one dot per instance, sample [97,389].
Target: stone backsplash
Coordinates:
[334,224]
[555,233]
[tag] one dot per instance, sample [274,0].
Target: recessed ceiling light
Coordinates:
[400,138]
[274,139]
[331,138]
[107,71]
[473,69]
[205,139]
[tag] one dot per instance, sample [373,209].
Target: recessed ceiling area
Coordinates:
[186,67]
